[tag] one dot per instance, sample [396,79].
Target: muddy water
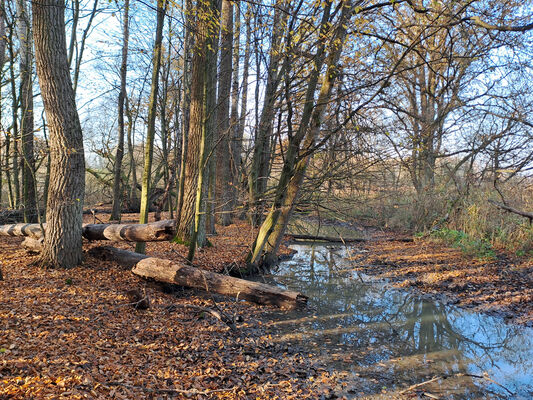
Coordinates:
[381,341]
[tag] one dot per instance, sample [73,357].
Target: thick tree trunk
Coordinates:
[153,232]
[150,134]
[117,170]
[205,15]
[26,103]
[62,244]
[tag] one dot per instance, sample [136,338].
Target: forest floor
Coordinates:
[73,333]
[502,286]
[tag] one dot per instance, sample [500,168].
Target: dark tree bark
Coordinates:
[62,244]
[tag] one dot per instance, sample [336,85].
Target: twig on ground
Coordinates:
[200,309]
[436,378]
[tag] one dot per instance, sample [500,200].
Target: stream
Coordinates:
[380,341]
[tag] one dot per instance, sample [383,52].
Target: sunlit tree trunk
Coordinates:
[223,170]
[295,164]
[185,106]
[117,171]
[62,243]
[152,111]
[258,178]
[189,225]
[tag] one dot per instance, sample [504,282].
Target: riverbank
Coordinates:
[74,334]
[501,287]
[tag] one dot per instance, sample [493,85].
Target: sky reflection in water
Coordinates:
[389,339]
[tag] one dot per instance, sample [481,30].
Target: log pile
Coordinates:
[153,232]
[162,270]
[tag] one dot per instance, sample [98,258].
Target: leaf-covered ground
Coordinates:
[73,334]
[501,287]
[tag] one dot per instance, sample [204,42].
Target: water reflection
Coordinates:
[392,339]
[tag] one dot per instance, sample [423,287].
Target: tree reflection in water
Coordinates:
[399,338]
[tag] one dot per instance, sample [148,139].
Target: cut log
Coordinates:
[184,275]
[32,244]
[153,232]
[32,230]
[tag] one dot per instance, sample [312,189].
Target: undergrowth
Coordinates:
[478,248]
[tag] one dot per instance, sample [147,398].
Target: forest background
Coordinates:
[403,114]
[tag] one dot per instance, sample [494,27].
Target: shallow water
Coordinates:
[379,341]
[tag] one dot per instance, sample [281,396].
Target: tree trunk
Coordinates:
[62,244]
[223,170]
[133,199]
[202,124]
[15,198]
[117,170]
[240,177]
[235,149]
[261,155]
[185,106]
[150,134]
[197,123]
[3,40]
[208,215]
[294,167]
[26,103]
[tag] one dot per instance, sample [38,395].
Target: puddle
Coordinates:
[381,340]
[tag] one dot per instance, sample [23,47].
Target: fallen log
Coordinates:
[185,275]
[31,230]
[153,232]
[333,239]
[122,257]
